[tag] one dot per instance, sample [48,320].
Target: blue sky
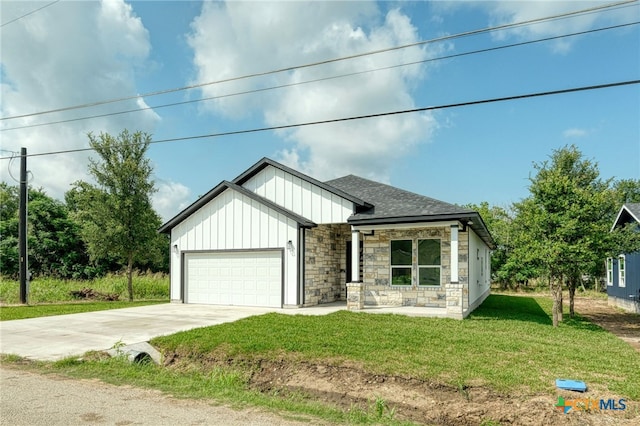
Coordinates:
[74,52]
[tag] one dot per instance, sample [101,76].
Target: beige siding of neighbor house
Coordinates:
[235,221]
[299,196]
[325,263]
[377,270]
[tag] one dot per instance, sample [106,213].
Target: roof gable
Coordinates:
[219,189]
[265,162]
[628,213]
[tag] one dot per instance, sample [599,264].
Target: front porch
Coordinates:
[368,280]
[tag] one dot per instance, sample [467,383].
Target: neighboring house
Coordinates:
[276,237]
[623,271]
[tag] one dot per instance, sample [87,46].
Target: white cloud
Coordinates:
[575,133]
[170,198]
[507,11]
[239,38]
[67,54]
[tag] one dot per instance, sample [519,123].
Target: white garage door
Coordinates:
[241,278]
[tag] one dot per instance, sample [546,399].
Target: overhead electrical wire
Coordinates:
[328,61]
[282,86]
[30,13]
[362,117]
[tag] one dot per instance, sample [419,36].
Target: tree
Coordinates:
[567,218]
[626,191]
[116,215]
[8,229]
[55,246]
[499,223]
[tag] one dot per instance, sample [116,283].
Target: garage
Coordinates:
[240,278]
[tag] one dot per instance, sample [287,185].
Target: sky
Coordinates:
[58,54]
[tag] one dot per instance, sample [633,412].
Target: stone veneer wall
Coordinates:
[377,271]
[325,263]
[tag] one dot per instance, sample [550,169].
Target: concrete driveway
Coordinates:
[57,337]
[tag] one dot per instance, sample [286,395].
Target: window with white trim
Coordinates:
[401,262]
[621,270]
[429,262]
[609,271]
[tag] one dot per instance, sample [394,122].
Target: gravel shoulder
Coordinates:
[32,399]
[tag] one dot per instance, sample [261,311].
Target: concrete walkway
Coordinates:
[57,337]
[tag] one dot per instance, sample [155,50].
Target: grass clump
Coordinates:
[52,290]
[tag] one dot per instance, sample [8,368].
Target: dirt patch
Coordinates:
[420,401]
[350,388]
[625,325]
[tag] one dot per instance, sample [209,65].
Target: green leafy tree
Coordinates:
[8,229]
[116,215]
[565,222]
[499,222]
[626,191]
[54,243]
[55,246]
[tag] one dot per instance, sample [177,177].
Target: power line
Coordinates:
[282,86]
[328,61]
[361,117]
[30,13]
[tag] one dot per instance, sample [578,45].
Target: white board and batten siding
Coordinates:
[300,196]
[479,269]
[233,221]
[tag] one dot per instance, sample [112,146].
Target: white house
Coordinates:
[276,237]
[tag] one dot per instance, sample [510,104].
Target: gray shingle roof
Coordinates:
[395,205]
[629,213]
[391,202]
[634,208]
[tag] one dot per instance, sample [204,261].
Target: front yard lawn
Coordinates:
[497,367]
[508,344]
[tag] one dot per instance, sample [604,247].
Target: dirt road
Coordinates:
[625,325]
[32,399]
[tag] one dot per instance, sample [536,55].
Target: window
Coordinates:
[401,261]
[609,271]
[621,270]
[429,262]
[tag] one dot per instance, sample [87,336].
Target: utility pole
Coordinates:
[22,228]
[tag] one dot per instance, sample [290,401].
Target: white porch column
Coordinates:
[355,255]
[454,253]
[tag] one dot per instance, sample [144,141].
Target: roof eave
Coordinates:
[629,212]
[477,224]
[219,189]
[264,162]
[177,219]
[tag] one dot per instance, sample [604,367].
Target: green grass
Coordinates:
[221,384]
[51,290]
[507,345]
[34,311]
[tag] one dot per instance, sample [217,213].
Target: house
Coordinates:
[623,271]
[276,237]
